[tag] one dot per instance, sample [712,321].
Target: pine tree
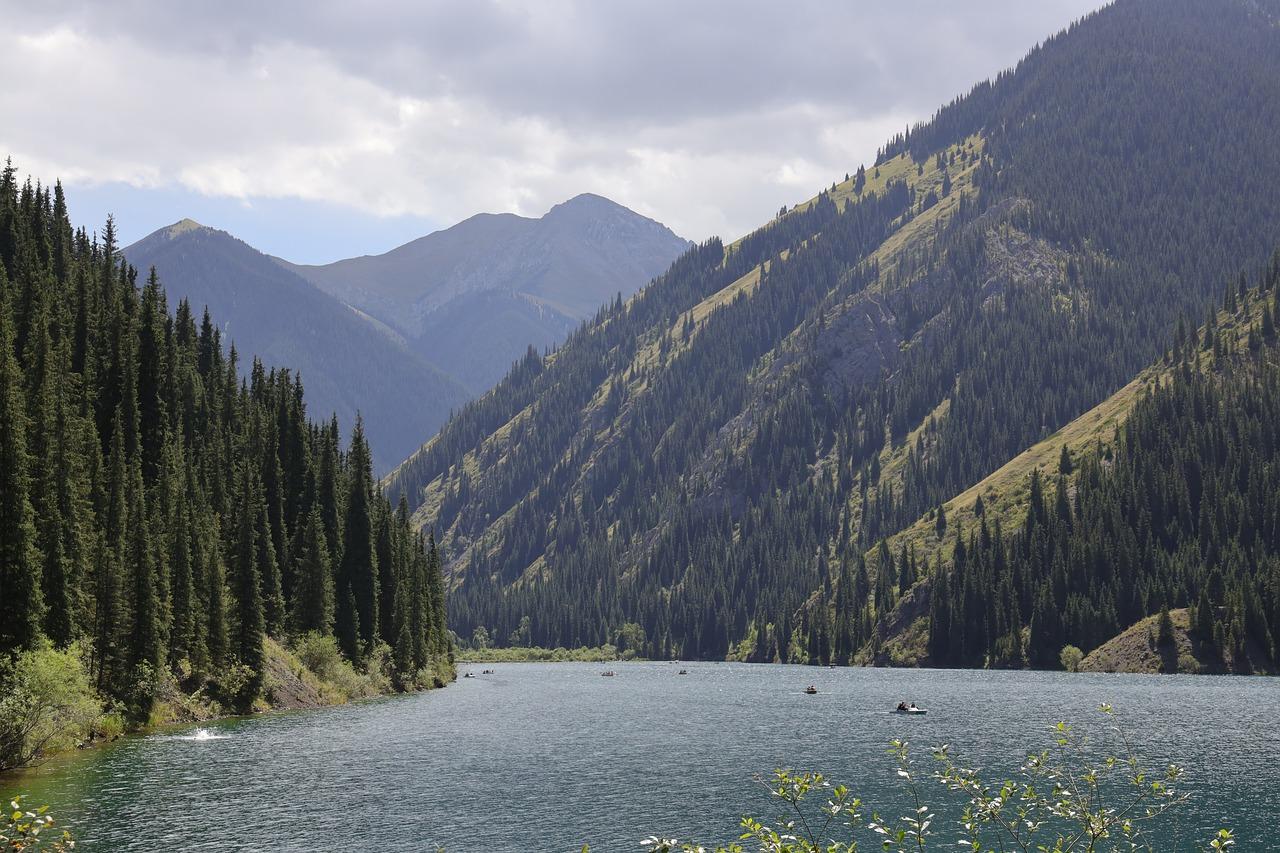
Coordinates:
[217,639]
[109,614]
[1164,630]
[247,599]
[1204,617]
[273,608]
[44,395]
[182,583]
[21,604]
[387,550]
[152,377]
[846,608]
[440,645]
[145,644]
[359,567]
[313,598]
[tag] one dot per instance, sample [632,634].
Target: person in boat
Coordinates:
[902,706]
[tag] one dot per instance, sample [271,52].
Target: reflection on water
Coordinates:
[545,757]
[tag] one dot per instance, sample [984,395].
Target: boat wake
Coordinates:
[202,734]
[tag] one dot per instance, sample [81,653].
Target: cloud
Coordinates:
[707,116]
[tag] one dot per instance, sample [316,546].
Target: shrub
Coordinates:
[46,704]
[320,654]
[236,686]
[1071,656]
[1057,804]
[24,829]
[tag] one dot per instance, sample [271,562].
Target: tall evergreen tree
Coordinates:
[313,600]
[359,568]
[250,623]
[21,604]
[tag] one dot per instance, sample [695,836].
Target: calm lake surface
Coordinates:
[546,757]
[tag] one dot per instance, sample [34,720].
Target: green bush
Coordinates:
[1070,797]
[320,654]
[46,704]
[1070,656]
[23,829]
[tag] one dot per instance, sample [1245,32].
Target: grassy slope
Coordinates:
[1135,650]
[1004,492]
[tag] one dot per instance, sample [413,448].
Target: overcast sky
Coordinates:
[327,128]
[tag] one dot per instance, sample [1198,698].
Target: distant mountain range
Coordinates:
[472,298]
[407,337]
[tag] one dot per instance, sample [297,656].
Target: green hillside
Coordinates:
[1165,496]
[703,468]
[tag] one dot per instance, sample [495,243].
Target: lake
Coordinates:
[546,757]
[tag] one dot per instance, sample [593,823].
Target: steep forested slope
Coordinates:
[160,516]
[1177,506]
[711,459]
[350,363]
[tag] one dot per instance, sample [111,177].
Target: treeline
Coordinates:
[163,515]
[1184,512]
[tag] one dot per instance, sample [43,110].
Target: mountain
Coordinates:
[710,468]
[472,298]
[349,362]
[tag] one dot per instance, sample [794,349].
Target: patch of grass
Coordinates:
[526,654]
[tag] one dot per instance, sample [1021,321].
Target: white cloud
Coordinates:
[707,117]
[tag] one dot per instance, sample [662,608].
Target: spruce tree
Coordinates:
[145,645]
[1065,465]
[1204,617]
[359,567]
[217,638]
[182,583]
[109,613]
[1164,630]
[273,607]
[21,604]
[247,598]
[387,552]
[313,597]
[440,645]
[44,398]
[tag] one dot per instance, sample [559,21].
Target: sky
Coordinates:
[323,129]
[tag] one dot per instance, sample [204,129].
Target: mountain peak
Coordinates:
[590,205]
[183,226]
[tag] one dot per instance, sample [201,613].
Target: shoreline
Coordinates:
[289,686]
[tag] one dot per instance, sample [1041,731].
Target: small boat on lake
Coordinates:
[468,675]
[608,673]
[904,708]
[683,672]
[811,690]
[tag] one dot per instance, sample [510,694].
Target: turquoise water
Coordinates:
[546,757]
